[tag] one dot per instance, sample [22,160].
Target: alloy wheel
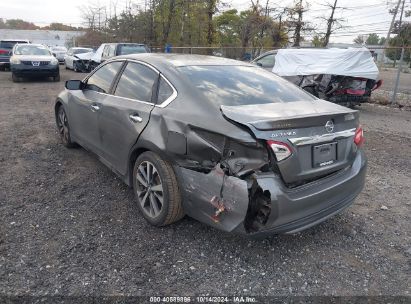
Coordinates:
[63,125]
[149,189]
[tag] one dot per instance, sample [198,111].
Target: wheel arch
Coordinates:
[139,148]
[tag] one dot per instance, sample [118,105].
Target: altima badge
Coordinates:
[329,126]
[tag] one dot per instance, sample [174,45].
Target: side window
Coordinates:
[136,82]
[102,79]
[112,50]
[105,51]
[164,91]
[267,61]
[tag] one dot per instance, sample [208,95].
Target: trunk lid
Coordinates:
[319,133]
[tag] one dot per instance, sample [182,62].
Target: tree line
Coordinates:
[19,24]
[205,23]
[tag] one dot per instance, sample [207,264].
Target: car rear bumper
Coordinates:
[291,210]
[294,210]
[21,70]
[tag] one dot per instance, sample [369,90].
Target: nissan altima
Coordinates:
[222,141]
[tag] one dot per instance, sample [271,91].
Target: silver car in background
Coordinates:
[33,60]
[59,52]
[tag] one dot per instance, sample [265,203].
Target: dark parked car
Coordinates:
[33,60]
[116,49]
[220,140]
[6,47]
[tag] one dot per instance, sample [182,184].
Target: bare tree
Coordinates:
[296,22]
[333,23]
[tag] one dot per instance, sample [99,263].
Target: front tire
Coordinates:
[56,78]
[63,127]
[156,190]
[15,78]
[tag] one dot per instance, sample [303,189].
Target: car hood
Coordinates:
[297,114]
[84,56]
[34,57]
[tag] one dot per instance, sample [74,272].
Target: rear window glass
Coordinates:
[125,49]
[242,85]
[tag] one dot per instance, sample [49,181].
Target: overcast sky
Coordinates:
[363,16]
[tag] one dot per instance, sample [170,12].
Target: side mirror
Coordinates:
[259,64]
[54,54]
[74,85]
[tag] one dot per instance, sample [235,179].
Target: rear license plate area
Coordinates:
[324,155]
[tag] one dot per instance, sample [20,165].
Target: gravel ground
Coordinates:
[389,77]
[68,226]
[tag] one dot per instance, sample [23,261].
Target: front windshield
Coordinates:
[82,51]
[242,85]
[126,49]
[31,50]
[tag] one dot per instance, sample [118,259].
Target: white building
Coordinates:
[50,38]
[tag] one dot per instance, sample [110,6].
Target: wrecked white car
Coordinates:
[343,76]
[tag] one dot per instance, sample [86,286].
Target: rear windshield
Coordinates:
[125,49]
[81,51]
[242,85]
[9,44]
[29,49]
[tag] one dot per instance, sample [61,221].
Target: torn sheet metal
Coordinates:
[214,198]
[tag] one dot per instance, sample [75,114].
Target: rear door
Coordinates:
[85,105]
[126,113]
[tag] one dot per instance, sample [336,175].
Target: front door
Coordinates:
[85,106]
[126,113]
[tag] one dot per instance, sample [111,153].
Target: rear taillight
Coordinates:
[359,136]
[3,52]
[280,149]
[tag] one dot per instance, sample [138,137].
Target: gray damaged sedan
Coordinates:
[223,141]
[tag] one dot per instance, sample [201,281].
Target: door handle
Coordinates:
[95,107]
[135,118]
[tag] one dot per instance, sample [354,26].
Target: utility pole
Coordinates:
[389,31]
[397,81]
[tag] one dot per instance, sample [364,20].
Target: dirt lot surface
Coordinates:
[68,226]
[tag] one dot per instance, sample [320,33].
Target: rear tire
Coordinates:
[156,190]
[56,78]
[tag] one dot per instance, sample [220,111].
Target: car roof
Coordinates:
[32,44]
[179,60]
[15,40]
[134,43]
